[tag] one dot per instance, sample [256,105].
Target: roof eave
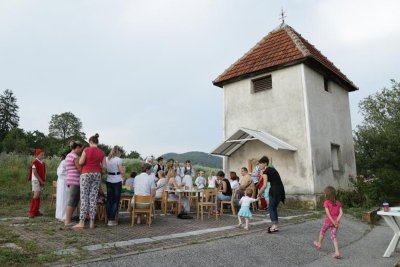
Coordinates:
[256,73]
[318,66]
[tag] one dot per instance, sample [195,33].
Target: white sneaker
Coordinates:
[111,223]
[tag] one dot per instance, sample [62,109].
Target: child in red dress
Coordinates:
[37,176]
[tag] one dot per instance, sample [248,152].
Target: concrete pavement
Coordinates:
[292,246]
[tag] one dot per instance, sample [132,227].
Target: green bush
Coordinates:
[372,191]
[14,170]
[132,165]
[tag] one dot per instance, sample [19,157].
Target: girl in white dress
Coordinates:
[62,193]
[179,173]
[211,180]
[188,172]
[244,211]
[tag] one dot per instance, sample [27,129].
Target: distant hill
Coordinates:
[197,158]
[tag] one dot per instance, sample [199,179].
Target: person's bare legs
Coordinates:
[68,215]
[240,221]
[247,223]
[318,243]
[336,245]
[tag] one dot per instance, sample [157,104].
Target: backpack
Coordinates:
[184,215]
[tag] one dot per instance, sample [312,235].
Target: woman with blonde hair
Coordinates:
[115,172]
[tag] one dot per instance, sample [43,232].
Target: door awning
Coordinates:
[243,135]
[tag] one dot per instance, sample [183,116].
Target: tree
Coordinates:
[15,141]
[8,113]
[105,148]
[51,145]
[377,143]
[133,155]
[65,126]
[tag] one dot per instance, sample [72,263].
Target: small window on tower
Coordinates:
[335,149]
[262,84]
[326,84]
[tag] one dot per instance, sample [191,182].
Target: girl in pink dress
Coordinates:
[333,209]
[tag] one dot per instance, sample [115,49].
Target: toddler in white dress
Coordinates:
[244,211]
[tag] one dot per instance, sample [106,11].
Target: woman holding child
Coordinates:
[224,189]
[276,193]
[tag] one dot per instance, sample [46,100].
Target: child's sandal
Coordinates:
[336,256]
[317,245]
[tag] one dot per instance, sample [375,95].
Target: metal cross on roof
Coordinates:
[282,16]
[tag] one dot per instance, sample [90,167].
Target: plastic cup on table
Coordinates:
[386,207]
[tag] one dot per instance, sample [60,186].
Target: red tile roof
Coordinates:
[281,47]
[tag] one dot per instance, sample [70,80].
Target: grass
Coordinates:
[31,252]
[41,237]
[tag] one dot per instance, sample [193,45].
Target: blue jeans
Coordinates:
[273,210]
[113,197]
[221,197]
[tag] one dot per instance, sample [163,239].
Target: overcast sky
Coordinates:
[140,73]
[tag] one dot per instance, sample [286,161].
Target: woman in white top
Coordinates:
[115,172]
[211,180]
[161,184]
[62,193]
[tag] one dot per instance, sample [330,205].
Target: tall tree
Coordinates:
[8,113]
[377,143]
[64,126]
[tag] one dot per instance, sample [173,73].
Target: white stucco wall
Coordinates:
[330,122]
[280,112]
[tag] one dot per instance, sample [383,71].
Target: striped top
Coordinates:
[73,174]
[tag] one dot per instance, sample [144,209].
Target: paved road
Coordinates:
[292,246]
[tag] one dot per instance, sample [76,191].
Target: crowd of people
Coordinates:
[80,179]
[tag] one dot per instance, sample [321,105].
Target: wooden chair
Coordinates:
[209,200]
[193,196]
[101,212]
[146,200]
[165,202]
[230,202]
[53,194]
[125,201]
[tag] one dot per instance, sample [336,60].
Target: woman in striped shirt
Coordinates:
[73,179]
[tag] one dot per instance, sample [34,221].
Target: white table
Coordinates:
[392,218]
